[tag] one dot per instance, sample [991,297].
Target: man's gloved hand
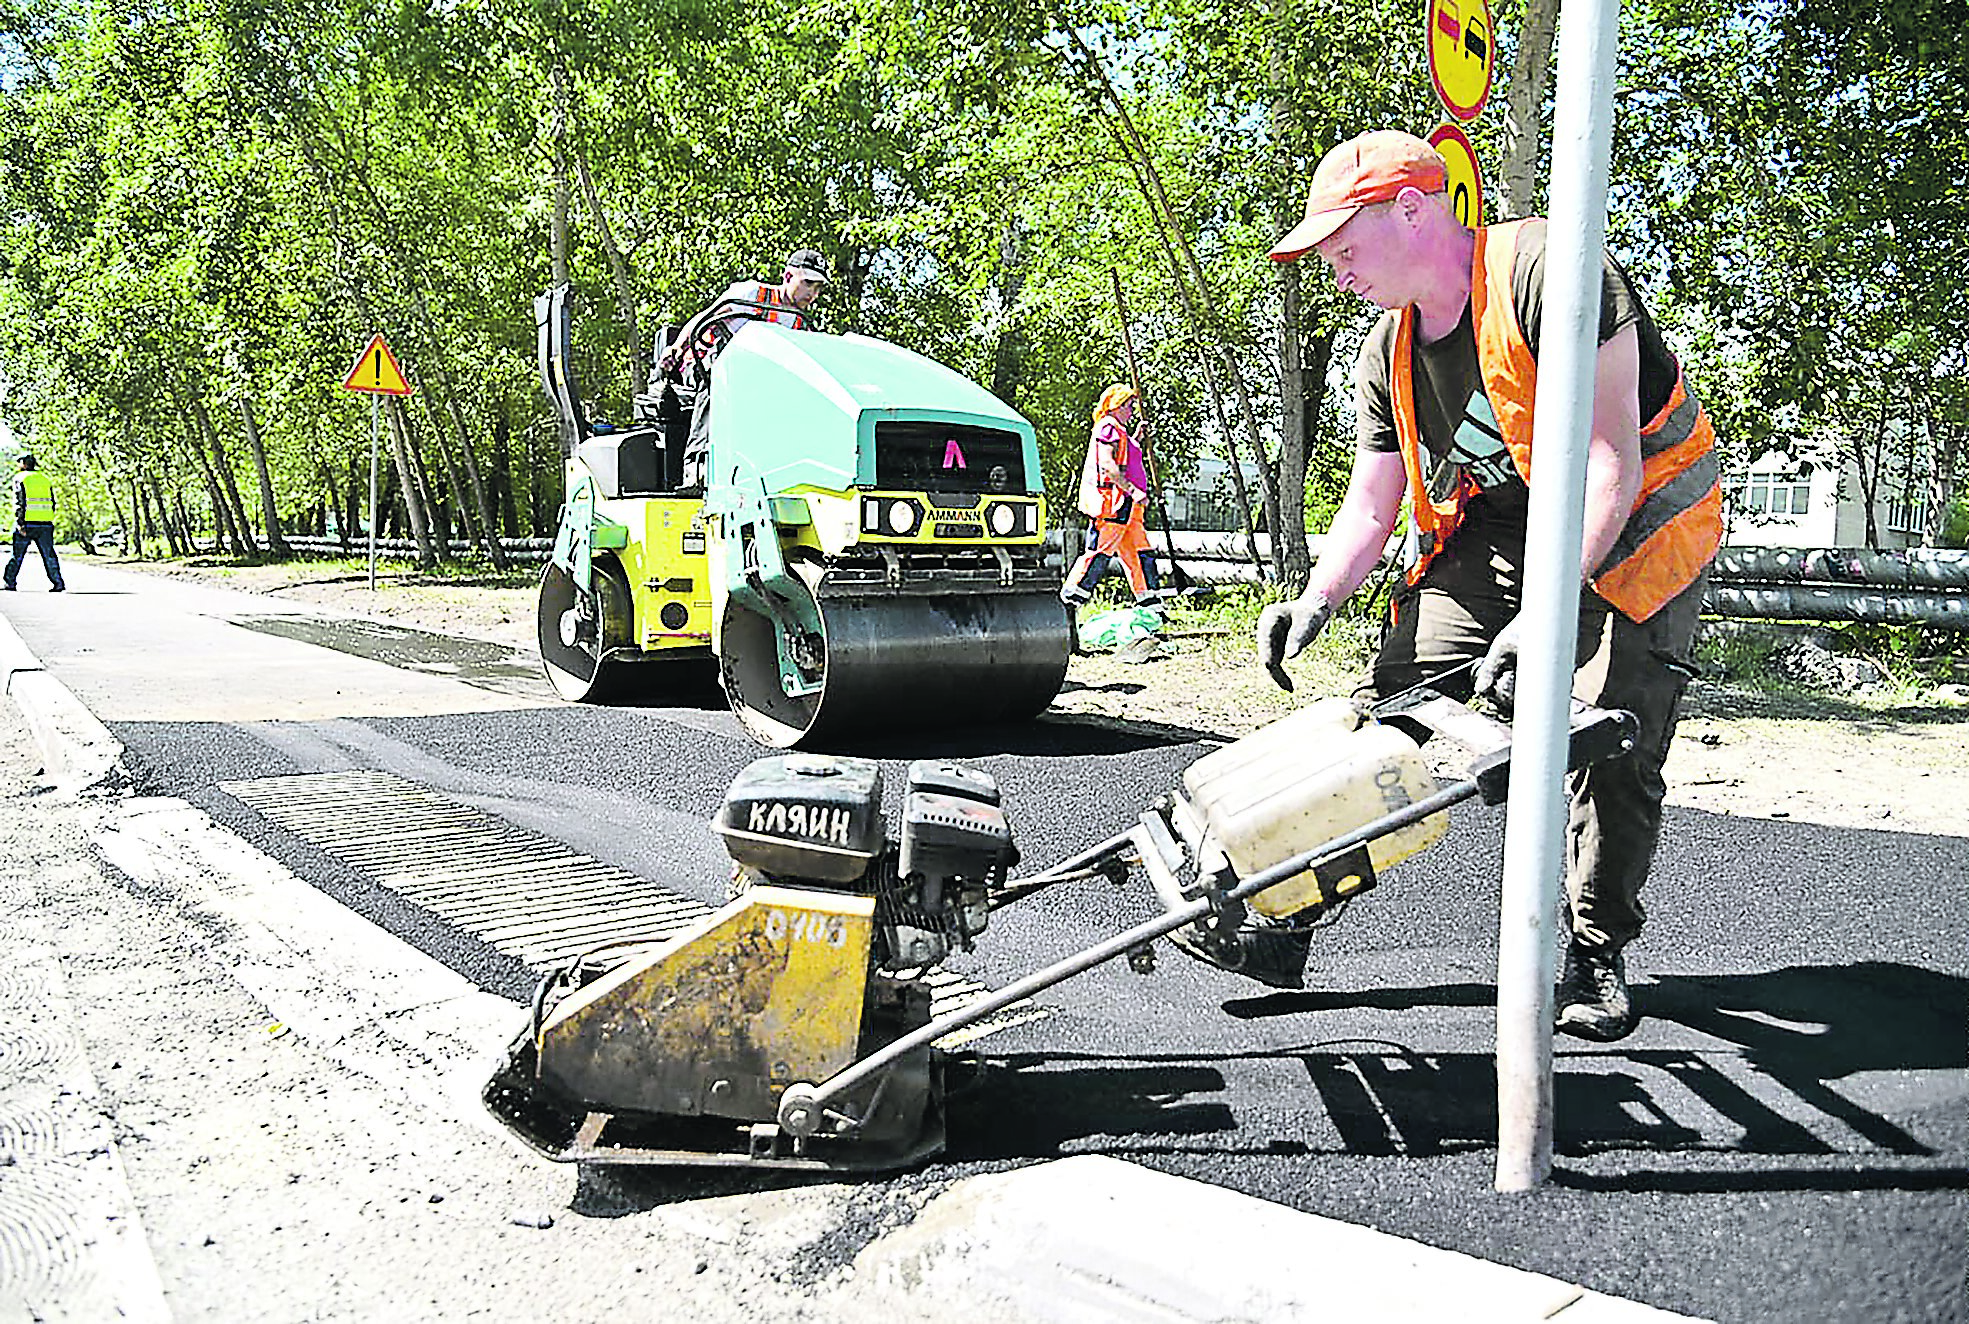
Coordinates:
[1286,628]
[1496,677]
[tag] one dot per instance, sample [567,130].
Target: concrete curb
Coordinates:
[1093,1237]
[77,750]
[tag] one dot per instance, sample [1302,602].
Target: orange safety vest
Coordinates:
[1101,497]
[1676,525]
[769,294]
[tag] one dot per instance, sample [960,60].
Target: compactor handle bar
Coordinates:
[1597,733]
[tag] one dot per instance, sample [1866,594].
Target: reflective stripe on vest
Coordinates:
[39,497]
[771,294]
[1676,524]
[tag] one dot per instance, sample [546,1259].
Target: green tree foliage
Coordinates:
[210,205]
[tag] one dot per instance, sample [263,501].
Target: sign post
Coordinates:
[1534,833]
[375,374]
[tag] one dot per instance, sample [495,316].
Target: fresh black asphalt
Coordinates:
[1785,1137]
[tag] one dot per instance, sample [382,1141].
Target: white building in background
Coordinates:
[1783,502]
[1206,498]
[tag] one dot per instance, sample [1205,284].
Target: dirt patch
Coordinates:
[1899,763]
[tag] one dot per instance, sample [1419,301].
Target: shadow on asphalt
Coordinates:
[1799,1029]
[1058,736]
[1844,1177]
[602,1191]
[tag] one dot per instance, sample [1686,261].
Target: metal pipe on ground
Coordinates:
[1838,602]
[1913,567]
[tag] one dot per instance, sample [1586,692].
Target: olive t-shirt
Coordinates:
[1458,425]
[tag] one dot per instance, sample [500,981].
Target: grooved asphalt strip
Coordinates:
[524,895]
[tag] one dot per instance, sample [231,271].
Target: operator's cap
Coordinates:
[1371,168]
[806,262]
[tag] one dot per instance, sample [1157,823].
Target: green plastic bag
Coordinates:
[1110,630]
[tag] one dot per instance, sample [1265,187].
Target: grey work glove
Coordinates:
[1286,628]
[1496,677]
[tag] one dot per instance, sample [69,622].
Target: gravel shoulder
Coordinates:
[1897,763]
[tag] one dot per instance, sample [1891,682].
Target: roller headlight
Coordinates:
[894,517]
[1004,519]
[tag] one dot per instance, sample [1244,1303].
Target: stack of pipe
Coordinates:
[1925,586]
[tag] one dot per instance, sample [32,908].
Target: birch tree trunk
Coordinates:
[487,528]
[618,266]
[225,534]
[246,545]
[163,518]
[1008,352]
[269,514]
[1184,268]
[408,484]
[1524,113]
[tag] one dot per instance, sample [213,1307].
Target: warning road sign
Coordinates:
[1466,180]
[1461,54]
[376,371]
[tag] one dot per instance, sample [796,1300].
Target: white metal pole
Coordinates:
[1534,833]
[372,492]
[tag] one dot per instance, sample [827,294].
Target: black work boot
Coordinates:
[1593,1001]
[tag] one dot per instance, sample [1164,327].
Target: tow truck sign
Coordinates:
[1462,54]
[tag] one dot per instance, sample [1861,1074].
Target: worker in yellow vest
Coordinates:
[34,524]
[1443,401]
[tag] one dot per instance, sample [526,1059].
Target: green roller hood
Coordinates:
[799,408]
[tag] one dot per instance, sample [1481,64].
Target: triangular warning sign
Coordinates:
[376,371]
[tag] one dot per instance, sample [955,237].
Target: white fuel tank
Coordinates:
[1306,779]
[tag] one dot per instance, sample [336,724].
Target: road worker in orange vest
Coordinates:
[1443,402]
[1113,495]
[688,358]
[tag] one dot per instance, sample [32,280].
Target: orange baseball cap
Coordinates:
[1371,168]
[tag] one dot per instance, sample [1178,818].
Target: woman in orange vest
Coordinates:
[1443,402]
[1114,481]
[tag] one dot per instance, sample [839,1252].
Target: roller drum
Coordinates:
[947,660]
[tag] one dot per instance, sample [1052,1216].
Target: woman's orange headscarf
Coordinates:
[1112,399]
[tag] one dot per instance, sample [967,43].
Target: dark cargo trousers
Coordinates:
[1470,592]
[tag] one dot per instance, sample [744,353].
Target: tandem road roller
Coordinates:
[864,545]
[793,1028]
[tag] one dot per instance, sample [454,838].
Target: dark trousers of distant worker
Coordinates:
[43,537]
[1469,593]
[1123,542]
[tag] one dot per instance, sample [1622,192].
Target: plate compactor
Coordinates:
[793,1029]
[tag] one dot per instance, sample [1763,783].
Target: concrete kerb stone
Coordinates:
[1093,1237]
[77,750]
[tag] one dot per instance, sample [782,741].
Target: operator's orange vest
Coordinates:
[771,294]
[1676,525]
[1101,498]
